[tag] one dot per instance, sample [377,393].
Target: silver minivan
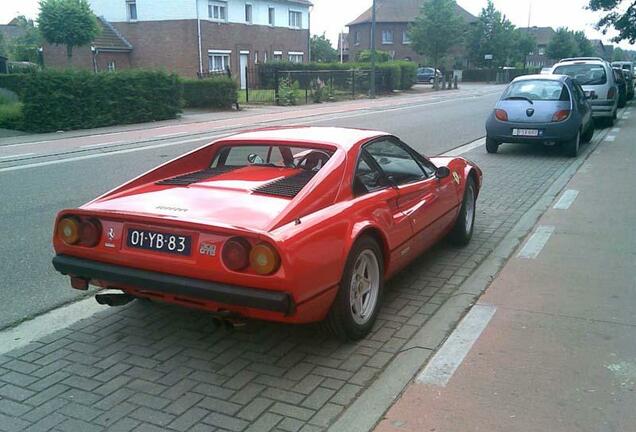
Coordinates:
[596,77]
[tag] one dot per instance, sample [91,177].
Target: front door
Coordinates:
[243,62]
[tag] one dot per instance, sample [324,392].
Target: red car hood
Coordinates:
[226,199]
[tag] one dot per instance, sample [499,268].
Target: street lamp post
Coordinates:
[372,80]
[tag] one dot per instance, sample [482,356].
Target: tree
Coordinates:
[583,44]
[437,30]
[620,14]
[3,47]
[321,49]
[67,22]
[25,47]
[525,43]
[618,54]
[562,45]
[491,34]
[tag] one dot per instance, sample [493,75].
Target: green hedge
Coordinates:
[11,116]
[217,92]
[408,74]
[65,100]
[13,82]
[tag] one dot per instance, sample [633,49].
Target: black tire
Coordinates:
[462,232]
[622,102]
[341,319]
[589,133]
[492,146]
[609,122]
[571,147]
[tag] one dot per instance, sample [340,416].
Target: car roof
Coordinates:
[543,77]
[583,60]
[344,138]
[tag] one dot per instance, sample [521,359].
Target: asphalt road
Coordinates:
[32,196]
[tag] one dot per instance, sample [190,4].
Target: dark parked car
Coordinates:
[541,109]
[428,74]
[629,78]
[622,87]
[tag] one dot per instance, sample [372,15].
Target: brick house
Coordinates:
[192,36]
[393,18]
[543,36]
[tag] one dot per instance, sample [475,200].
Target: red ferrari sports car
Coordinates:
[297,225]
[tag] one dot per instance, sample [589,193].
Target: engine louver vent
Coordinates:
[287,187]
[194,177]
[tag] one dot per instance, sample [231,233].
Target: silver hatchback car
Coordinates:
[596,77]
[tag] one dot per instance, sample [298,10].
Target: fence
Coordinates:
[500,76]
[305,86]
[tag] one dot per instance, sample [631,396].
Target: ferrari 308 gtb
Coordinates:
[295,225]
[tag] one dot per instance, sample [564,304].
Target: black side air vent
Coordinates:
[287,187]
[194,177]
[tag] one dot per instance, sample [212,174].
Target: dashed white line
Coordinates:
[450,356]
[106,144]
[610,138]
[17,155]
[536,242]
[566,199]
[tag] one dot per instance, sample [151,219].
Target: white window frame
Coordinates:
[297,13]
[541,51]
[256,57]
[406,40]
[129,13]
[249,19]
[296,56]
[356,38]
[221,7]
[265,56]
[271,15]
[385,39]
[225,55]
[277,56]
[111,66]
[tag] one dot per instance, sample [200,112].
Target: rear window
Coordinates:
[585,74]
[280,156]
[537,90]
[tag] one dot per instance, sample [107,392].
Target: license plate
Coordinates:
[525,132]
[159,242]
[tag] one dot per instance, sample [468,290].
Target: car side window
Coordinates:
[368,176]
[395,161]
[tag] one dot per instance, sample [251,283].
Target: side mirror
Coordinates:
[392,181]
[253,158]
[442,172]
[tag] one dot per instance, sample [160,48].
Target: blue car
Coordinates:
[541,109]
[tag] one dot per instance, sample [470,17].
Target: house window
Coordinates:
[406,39]
[387,37]
[131,9]
[217,10]
[296,57]
[111,66]
[542,51]
[278,56]
[272,16]
[218,60]
[295,19]
[248,13]
[356,38]
[255,57]
[264,56]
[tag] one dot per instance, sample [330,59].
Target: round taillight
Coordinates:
[68,230]
[501,115]
[236,254]
[264,259]
[90,232]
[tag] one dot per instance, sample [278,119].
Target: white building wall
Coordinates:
[162,10]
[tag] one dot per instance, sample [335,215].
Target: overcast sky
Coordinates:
[331,16]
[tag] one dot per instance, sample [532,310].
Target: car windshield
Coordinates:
[425,70]
[537,90]
[280,156]
[585,74]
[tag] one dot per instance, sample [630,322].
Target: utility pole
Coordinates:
[372,80]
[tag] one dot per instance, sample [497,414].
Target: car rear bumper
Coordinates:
[604,108]
[550,132]
[164,283]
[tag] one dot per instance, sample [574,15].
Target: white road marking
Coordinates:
[566,199]
[106,144]
[450,356]
[536,242]
[465,148]
[627,115]
[616,130]
[610,138]
[43,325]
[17,155]
[171,135]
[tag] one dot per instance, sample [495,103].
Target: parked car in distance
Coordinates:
[541,109]
[622,87]
[625,65]
[546,71]
[297,225]
[596,77]
[629,78]
[428,74]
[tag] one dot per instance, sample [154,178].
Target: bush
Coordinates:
[11,116]
[65,100]
[364,56]
[390,76]
[217,92]
[13,82]
[408,74]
